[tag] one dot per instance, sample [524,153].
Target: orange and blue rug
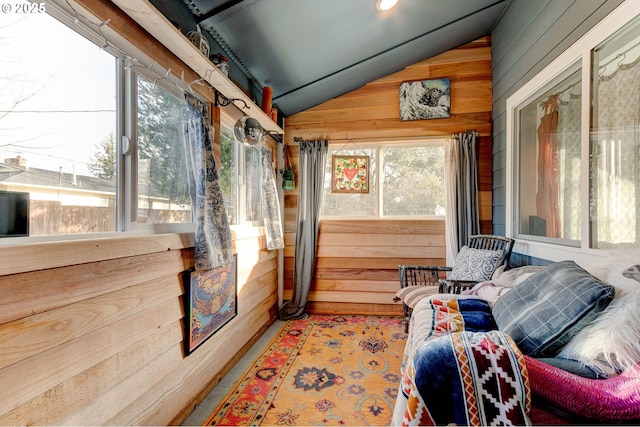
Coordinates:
[322,370]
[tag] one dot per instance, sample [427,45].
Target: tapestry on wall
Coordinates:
[349,174]
[211,299]
[425,99]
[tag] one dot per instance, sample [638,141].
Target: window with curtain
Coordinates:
[614,149]
[251,170]
[549,161]
[228,170]
[578,184]
[240,176]
[405,180]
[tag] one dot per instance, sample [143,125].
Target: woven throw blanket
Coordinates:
[457,376]
[443,314]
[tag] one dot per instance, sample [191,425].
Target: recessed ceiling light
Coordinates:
[383,5]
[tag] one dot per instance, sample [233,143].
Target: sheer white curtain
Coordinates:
[271,204]
[616,158]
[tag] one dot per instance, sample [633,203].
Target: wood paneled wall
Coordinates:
[357,261]
[91,332]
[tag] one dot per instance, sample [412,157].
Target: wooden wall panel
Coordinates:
[357,262]
[92,331]
[104,342]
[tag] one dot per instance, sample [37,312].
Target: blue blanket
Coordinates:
[459,369]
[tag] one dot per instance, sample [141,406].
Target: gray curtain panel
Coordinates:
[271,204]
[212,235]
[312,158]
[463,217]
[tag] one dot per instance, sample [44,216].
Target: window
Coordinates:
[405,180]
[614,150]
[576,143]
[228,170]
[163,188]
[57,125]
[549,162]
[241,175]
[252,184]
[69,102]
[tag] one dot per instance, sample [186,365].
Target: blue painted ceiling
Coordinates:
[310,51]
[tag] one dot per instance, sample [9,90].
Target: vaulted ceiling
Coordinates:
[310,51]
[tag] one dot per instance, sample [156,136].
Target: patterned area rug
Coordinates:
[323,370]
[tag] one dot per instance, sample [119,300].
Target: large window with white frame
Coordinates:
[58,124]
[94,136]
[406,179]
[574,143]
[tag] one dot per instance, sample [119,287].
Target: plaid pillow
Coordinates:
[475,264]
[542,313]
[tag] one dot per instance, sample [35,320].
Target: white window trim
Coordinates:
[377,145]
[228,118]
[579,51]
[126,102]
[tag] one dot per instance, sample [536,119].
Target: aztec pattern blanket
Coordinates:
[458,369]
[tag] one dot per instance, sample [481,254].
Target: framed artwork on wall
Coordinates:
[211,302]
[425,99]
[349,174]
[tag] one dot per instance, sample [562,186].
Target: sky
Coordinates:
[49,69]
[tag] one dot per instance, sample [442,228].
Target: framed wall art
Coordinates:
[349,174]
[211,302]
[425,99]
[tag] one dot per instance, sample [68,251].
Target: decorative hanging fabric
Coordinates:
[271,204]
[350,173]
[213,244]
[547,201]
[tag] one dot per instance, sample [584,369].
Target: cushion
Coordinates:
[475,264]
[546,310]
[611,343]
[410,295]
[515,276]
[488,291]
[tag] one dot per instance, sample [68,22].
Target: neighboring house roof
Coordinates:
[41,177]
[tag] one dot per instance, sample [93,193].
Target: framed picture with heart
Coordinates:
[349,174]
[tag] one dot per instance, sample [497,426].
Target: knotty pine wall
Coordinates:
[357,260]
[92,331]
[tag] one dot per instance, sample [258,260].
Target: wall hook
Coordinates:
[222,100]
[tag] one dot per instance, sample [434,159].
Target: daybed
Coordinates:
[539,345]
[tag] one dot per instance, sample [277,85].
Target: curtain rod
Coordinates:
[297,139]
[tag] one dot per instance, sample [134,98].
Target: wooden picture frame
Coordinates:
[350,174]
[211,301]
[425,99]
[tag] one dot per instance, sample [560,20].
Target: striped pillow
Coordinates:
[412,294]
